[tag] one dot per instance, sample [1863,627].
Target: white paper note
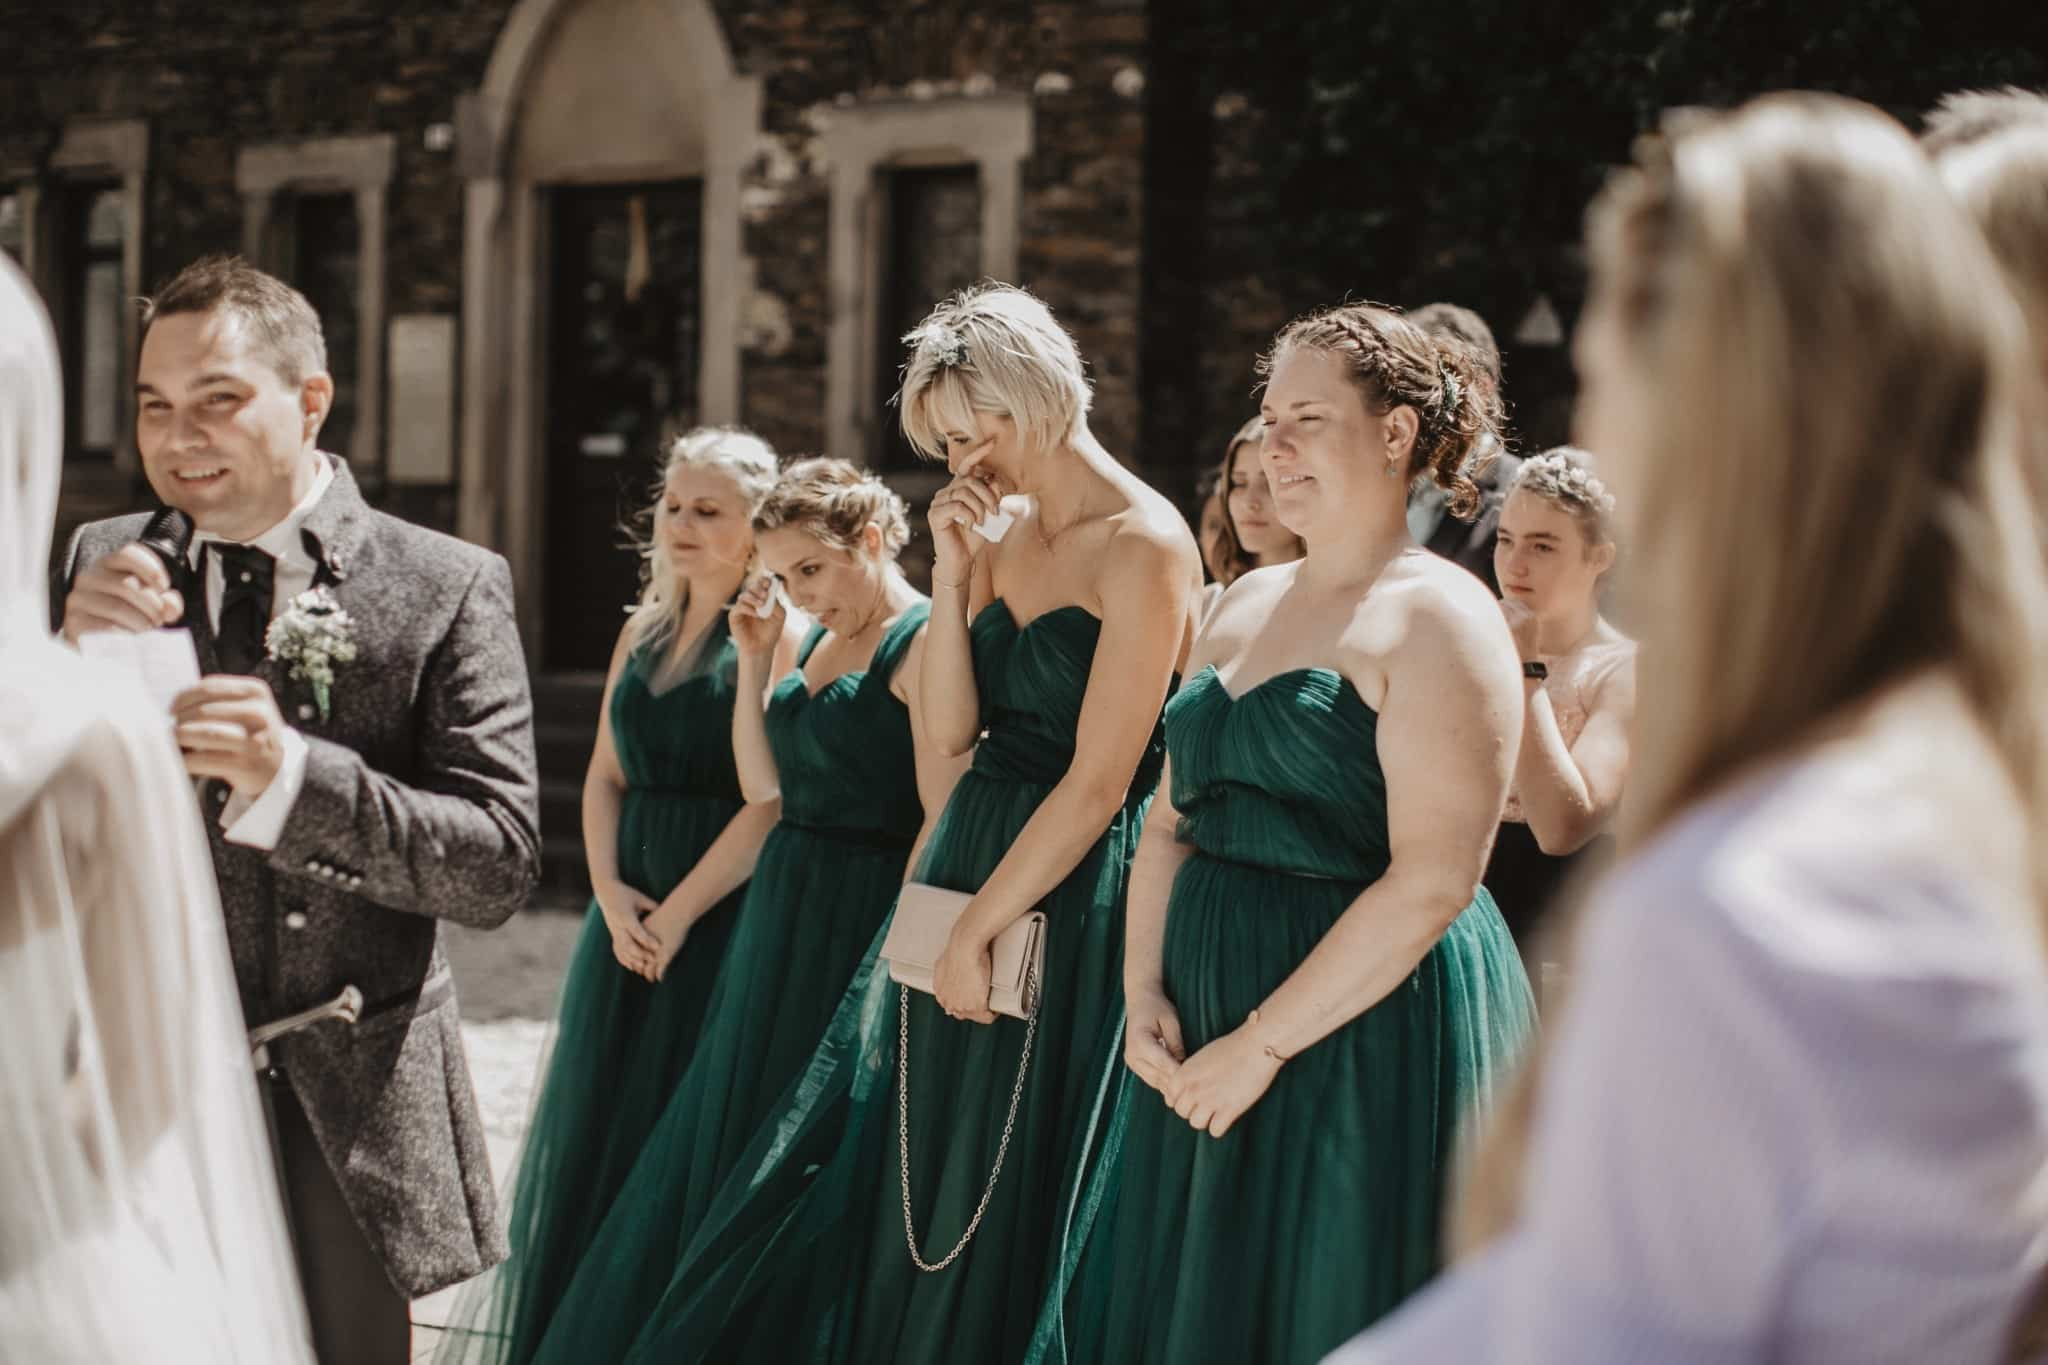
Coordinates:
[163,661]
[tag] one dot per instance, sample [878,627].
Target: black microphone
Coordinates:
[168,536]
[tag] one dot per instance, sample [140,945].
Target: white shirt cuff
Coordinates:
[260,823]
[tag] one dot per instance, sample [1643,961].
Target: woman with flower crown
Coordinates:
[908,1197]
[1578,684]
[1320,993]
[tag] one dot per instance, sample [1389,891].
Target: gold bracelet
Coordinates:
[1267,1048]
[939,582]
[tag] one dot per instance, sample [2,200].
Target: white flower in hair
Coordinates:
[1574,480]
[940,344]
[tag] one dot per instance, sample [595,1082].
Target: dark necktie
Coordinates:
[247,575]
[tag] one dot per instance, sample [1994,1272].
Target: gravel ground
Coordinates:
[507,979]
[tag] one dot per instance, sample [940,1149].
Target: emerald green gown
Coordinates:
[801,1256]
[1319,1210]
[824,883]
[620,1042]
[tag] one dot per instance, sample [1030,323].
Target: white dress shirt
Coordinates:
[1797,1106]
[260,823]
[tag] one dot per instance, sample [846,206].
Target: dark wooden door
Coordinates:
[623,339]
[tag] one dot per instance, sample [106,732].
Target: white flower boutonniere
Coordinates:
[312,635]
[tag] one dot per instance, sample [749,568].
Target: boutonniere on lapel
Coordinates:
[312,636]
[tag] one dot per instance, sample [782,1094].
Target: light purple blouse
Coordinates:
[1797,1109]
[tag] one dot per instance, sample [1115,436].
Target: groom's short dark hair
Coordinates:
[286,327]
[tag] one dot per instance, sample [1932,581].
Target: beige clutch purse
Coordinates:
[924,921]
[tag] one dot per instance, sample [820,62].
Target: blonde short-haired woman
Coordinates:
[908,1199]
[1796,1107]
[671,839]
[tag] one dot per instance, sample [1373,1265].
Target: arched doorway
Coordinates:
[602,286]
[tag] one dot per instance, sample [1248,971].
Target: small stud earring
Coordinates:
[1390,469]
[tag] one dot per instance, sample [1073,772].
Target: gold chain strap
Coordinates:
[903,1125]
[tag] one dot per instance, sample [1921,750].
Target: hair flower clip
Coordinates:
[940,344]
[1450,383]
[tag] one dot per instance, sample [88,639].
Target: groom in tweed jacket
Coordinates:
[344,827]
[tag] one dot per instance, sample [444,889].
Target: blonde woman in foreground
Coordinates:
[1797,1105]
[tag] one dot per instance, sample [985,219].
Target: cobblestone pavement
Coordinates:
[507,979]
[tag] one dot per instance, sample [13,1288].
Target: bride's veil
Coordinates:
[139,1213]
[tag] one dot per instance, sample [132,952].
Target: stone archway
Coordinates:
[583,92]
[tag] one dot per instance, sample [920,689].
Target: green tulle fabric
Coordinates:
[825,881]
[620,1043]
[1319,1211]
[801,1255]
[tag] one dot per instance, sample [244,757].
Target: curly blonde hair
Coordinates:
[835,501]
[1395,364]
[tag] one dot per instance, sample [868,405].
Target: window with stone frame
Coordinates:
[88,239]
[315,245]
[930,239]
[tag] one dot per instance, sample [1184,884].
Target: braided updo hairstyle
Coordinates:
[1395,364]
[835,501]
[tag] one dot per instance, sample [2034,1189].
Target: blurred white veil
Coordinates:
[139,1213]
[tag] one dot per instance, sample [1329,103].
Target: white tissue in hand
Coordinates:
[765,608]
[994,526]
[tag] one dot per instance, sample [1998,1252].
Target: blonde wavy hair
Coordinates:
[741,456]
[1836,367]
[835,502]
[993,348]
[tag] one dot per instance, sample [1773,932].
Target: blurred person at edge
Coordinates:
[1435,527]
[1251,534]
[1554,554]
[1991,149]
[1827,924]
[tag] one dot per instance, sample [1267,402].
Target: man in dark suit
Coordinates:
[347,819]
[1469,543]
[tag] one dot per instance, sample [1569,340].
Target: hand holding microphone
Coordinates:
[132,588]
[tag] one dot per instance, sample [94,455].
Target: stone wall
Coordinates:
[349,67]
[208,86]
[1081,200]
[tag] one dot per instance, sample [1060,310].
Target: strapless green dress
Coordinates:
[1319,1210]
[826,879]
[620,1042]
[802,1255]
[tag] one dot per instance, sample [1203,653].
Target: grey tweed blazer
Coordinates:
[419,804]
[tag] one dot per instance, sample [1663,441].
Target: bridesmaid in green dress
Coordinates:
[866,1222]
[1320,992]
[670,840]
[839,743]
